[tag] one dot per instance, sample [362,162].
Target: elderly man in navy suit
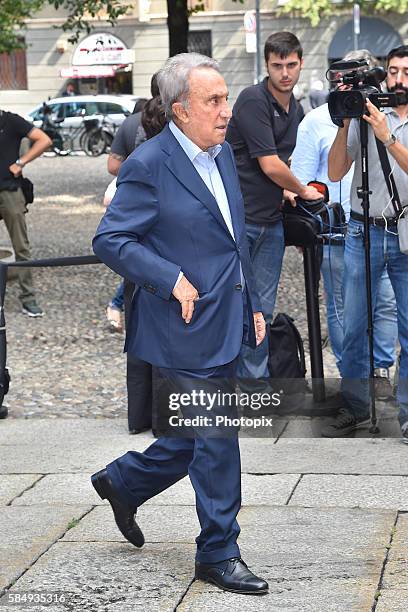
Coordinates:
[176,229]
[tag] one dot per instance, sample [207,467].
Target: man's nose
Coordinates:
[284,71]
[226,111]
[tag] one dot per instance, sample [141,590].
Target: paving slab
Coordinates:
[300,595]
[394,588]
[12,485]
[392,601]
[352,491]
[55,457]
[315,560]
[65,431]
[311,428]
[82,445]
[76,488]
[158,523]
[25,536]
[110,577]
[290,456]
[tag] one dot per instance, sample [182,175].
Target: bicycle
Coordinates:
[64,139]
[99,139]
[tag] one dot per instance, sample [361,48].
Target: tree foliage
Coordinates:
[314,10]
[14,13]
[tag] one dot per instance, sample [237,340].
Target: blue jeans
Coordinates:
[266,248]
[385,254]
[118,298]
[385,314]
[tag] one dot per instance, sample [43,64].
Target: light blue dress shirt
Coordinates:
[315,137]
[204,163]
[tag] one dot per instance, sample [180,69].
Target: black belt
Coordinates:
[377,221]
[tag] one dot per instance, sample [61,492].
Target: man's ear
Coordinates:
[180,112]
[302,61]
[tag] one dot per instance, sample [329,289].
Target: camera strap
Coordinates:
[389,178]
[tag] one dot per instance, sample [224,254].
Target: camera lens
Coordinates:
[352,103]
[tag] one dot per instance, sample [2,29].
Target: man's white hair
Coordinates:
[173,78]
[362,54]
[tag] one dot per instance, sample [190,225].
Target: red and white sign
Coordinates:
[84,72]
[102,48]
[250,22]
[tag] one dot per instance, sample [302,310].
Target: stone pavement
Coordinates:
[324,521]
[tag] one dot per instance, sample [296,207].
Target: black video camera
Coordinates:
[365,83]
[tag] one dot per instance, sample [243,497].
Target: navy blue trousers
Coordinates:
[212,463]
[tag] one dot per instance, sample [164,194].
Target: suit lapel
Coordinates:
[181,167]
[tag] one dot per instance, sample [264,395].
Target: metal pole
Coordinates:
[356,26]
[363,193]
[3,343]
[313,321]
[258,42]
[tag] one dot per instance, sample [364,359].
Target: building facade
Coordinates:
[122,59]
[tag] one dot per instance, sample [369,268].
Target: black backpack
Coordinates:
[286,354]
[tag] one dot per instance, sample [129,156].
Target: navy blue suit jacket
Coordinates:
[163,219]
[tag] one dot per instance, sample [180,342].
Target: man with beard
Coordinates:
[389,127]
[262,133]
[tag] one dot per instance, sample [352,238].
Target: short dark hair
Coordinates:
[154,88]
[401,51]
[153,117]
[139,106]
[282,44]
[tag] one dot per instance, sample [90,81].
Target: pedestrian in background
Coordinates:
[13,129]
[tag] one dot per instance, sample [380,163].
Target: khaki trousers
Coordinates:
[12,210]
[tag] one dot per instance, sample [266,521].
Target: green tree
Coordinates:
[314,10]
[14,13]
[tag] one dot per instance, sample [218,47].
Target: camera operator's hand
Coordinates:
[310,193]
[290,197]
[378,121]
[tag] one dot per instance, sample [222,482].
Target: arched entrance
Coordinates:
[376,35]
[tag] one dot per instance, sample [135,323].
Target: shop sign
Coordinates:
[102,48]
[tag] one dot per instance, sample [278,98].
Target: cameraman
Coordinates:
[390,127]
[309,162]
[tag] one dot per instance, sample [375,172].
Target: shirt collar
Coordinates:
[190,148]
[274,100]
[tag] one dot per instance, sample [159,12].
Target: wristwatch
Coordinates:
[20,163]
[390,141]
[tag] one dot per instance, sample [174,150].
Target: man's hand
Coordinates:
[378,122]
[15,170]
[290,196]
[310,193]
[186,294]
[260,328]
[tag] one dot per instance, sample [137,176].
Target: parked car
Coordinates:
[69,111]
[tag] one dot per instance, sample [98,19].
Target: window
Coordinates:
[110,108]
[199,41]
[74,109]
[13,70]
[92,109]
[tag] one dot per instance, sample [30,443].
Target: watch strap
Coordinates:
[391,140]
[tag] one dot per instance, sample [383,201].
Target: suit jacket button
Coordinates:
[238,287]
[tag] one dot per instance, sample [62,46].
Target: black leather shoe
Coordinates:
[231,575]
[124,514]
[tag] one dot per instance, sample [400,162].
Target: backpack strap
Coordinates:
[389,178]
[299,342]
